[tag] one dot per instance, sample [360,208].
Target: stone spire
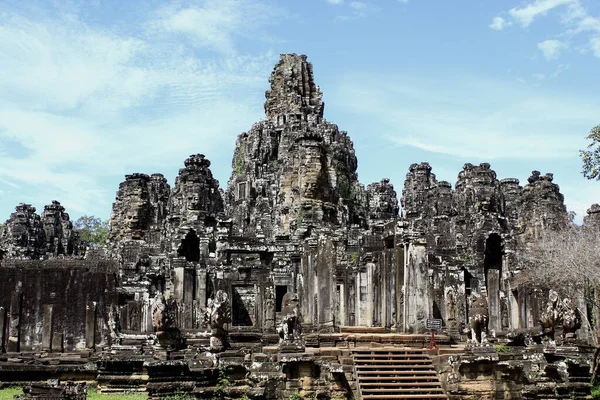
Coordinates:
[293,92]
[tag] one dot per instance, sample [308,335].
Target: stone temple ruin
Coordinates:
[294,278]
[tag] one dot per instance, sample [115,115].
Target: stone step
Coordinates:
[397,366]
[398,384]
[402,390]
[396,360]
[404,372]
[390,350]
[422,378]
[404,396]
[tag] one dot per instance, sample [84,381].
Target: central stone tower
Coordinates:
[294,171]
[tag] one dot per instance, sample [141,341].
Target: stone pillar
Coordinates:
[90,324]
[370,295]
[343,311]
[178,283]
[201,287]
[188,297]
[493,288]
[14,333]
[2,330]
[57,342]
[47,326]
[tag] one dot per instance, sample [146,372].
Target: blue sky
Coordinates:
[91,91]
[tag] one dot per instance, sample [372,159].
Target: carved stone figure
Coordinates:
[290,328]
[478,318]
[552,315]
[571,319]
[114,325]
[560,313]
[162,317]
[218,313]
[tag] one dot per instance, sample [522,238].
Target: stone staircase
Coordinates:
[396,373]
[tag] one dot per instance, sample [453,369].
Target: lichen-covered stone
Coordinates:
[58,230]
[592,219]
[140,209]
[23,236]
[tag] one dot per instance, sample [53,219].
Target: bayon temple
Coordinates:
[295,277]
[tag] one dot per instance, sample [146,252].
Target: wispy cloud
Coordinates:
[336,2]
[475,119]
[84,104]
[215,24]
[499,23]
[551,48]
[545,76]
[357,9]
[574,20]
[512,118]
[525,15]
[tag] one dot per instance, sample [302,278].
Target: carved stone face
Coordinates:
[221,296]
[291,300]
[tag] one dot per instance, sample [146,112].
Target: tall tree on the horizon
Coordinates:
[591,157]
[91,230]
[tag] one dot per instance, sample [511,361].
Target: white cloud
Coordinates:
[84,105]
[525,15]
[551,48]
[216,24]
[595,45]
[336,2]
[574,17]
[499,23]
[559,70]
[512,118]
[358,10]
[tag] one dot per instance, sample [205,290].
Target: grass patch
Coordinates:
[93,395]
[8,393]
[502,348]
[596,392]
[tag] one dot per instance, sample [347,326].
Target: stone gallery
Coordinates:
[296,279]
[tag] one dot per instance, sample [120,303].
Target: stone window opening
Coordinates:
[190,247]
[493,254]
[280,291]
[389,242]
[242,190]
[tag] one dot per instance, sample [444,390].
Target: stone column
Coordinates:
[493,283]
[188,297]
[14,333]
[343,310]
[47,326]
[90,324]
[2,329]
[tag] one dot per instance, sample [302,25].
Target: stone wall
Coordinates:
[57,305]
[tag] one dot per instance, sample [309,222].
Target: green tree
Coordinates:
[591,156]
[92,230]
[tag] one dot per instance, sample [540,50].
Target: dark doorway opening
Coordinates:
[242,305]
[280,291]
[190,247]
[493,255]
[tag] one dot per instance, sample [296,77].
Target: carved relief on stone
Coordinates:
[290,328]
[560,313]
[478,318]
[217,314]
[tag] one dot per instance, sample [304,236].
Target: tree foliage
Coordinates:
[568,262]
[564,259]
[591,156]
[92,230]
